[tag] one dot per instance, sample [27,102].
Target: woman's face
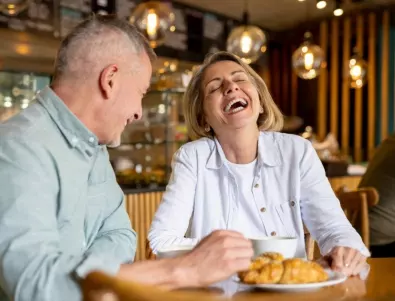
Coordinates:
[231,101]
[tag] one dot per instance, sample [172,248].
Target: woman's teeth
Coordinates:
[237,110]
[242,102]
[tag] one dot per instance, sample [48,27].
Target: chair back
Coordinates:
[355,205]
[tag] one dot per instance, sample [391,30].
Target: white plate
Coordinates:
[334,278]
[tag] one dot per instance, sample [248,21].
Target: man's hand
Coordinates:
[345,260]
[216,258]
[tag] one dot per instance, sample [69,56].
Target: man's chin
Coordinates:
[114,144]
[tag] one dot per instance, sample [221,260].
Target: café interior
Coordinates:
[328,64]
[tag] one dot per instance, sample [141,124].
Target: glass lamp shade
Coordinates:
[247,42]
[308,59]
[153,19]
[13,7]
[357,71]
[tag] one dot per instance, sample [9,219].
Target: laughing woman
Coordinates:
[240,174]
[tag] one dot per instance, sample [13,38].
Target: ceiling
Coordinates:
[279,14]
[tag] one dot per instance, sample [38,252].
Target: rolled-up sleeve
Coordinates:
[171,220]
[321,210]
[32,263]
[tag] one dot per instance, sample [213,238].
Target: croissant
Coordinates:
[271,268]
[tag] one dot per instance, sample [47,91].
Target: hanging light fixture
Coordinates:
[357,70]
[153,19]
[308,59]
[13,7]
[246,41]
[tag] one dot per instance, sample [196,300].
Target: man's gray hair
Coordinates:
[97,42]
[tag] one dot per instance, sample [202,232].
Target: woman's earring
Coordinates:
[261,110]
[207,128]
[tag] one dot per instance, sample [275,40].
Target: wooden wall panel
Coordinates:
[345,100]
[371,85]
[385,74]
[294,90]
[358,97]
[141,208]
[323,86]
[334,78]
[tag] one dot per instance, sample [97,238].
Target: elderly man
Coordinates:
[61,210]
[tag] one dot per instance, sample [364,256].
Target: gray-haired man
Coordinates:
[61,210]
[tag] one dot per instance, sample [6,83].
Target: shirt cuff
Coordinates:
[95,263]
[348,243]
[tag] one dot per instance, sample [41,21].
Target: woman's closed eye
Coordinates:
[240,78]
[213,88]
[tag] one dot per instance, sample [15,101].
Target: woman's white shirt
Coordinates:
[288,188]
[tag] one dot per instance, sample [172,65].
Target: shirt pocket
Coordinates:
[286,213]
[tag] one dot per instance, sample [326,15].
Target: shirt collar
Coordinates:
[71,127]
[268,152]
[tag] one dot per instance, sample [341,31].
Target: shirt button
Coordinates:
[91,139]
[273,233]
[263,209]
[292,203]
[256,185]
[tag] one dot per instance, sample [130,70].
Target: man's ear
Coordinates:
[107,80]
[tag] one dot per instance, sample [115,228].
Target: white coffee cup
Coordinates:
[285,245]
[173,251]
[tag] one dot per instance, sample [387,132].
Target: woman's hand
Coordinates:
[345,260]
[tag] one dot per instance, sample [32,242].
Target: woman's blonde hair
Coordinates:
[270,120]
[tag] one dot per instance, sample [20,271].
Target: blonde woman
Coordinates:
[240,174]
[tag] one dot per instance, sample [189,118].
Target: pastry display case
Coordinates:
[143,160]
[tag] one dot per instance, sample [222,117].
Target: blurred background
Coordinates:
[329,65]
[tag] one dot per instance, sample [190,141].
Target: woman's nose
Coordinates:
[231,87]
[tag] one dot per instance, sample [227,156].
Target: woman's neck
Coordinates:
[240,146]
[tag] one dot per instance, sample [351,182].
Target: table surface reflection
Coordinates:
[380,286]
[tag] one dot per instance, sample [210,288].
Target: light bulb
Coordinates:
[152,24]
[355,72]
[308,61]
[245,43]
[321,4]
[338,12]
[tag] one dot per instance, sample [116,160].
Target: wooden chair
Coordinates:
[355,205]
[149,255]
[309,244]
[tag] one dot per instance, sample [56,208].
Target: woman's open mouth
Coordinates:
[236,105]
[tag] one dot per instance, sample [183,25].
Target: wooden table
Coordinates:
[379,286]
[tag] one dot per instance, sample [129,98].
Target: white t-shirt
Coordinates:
[247,215]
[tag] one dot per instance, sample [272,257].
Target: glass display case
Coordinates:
[17,91]
[143,160]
